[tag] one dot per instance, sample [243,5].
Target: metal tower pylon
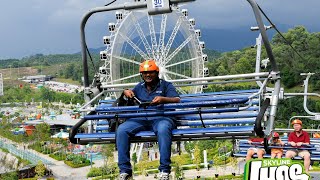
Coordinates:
[1,85]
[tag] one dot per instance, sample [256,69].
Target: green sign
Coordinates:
[274,169]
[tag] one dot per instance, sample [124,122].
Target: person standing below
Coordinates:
[276,152]
[157,91]
[296,139]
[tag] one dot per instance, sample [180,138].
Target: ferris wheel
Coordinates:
[170,39]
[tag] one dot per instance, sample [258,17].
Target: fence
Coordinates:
[23,153]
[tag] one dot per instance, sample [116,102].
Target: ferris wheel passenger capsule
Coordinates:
[198,32]
[192,22]
[103,55]
[112,27]
[185,12]
[119,15]
[102,70]
[106,40]
[205,57]
[202,45]
[205,71]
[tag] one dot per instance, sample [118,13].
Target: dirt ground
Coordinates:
[16,73]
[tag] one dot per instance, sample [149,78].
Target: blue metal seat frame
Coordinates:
[218,118]
[313,148]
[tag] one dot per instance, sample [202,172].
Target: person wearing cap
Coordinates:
[298,138]
[258,149]
[157,91]
[276,141]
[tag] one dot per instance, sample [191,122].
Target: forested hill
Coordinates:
[289,62]
[40,59]
[240,61]
[67,66]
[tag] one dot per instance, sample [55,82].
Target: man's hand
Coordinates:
[292,143]
[163,100]
[158,100]
[128,93]
[249,142]
[299,143]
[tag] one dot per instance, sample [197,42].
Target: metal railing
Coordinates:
[23,153]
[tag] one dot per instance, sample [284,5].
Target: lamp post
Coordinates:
[91,159]
[10,74]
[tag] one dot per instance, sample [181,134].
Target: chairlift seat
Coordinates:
[313,148]
[217,115]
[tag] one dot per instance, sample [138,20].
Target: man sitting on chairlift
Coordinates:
[298,138]
[155,91]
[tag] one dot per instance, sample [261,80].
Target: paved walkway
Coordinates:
[58,168]
[62,171]
[193,173]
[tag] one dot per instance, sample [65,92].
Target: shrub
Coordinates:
[95,172]
[9,176]
[58,156]
[75,161]
[69,163]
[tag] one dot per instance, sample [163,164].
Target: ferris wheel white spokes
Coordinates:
[142,36]
[162,35]
[176,51]
[169,39]
[152,35]
[134,46]
[181,62]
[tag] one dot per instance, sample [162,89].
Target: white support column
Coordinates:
[132,149]
[205,161]
[140,151]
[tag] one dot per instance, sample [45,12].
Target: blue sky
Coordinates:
[52,27]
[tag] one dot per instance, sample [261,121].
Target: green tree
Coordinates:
[177,164]
[42,132]
[9,176]
[134,160]
[107,151]
[243,66]
[197,157]
[40,169]
[47,94]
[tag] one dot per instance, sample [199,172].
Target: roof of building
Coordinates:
[64,119]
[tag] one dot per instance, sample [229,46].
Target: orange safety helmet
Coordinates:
[148,65]
[297,121]
[275,135]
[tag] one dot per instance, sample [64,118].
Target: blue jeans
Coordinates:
[162,126]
